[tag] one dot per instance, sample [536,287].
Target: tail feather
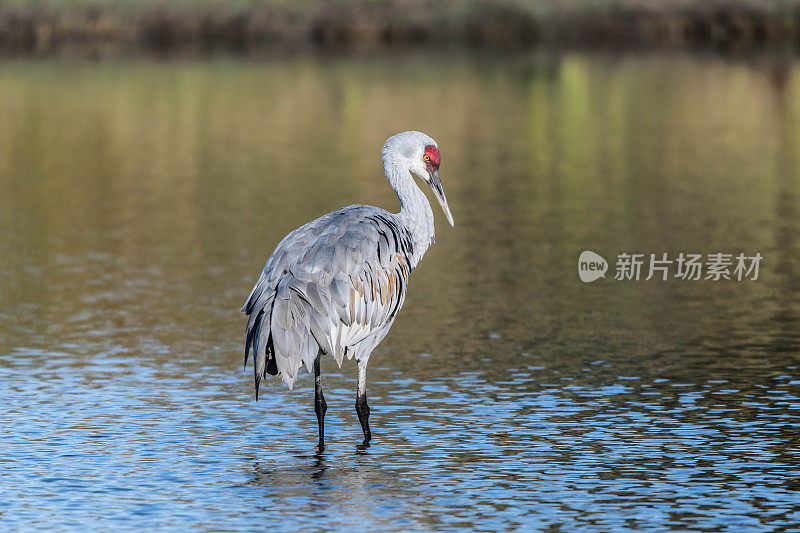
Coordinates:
[253,327]
[284,332]
[265,365]
[259,339]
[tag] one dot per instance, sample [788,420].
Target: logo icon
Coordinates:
[591,266]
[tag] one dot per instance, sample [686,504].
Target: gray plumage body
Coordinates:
[335,285]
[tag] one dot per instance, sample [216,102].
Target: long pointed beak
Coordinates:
[436,187]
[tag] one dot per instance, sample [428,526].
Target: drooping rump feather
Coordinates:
[332,286]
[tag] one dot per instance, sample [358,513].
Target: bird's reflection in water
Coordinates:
[277,475]
[309,465]
[336,486]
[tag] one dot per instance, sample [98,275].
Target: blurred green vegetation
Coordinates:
[41,27]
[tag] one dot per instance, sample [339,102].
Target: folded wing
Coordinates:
[332,286]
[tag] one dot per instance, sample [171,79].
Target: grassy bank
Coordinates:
[36,27]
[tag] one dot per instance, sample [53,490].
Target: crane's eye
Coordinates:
[426,157]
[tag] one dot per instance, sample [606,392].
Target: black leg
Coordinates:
[361,402]
[363,416]
[319,403]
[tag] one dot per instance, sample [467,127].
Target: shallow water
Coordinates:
[138,201]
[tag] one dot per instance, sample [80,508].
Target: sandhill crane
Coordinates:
[335,285]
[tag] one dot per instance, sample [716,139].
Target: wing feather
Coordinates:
[332,286]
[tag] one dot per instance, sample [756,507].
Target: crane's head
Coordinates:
[422,156]
[431,158]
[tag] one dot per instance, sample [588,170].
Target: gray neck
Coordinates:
[415,210]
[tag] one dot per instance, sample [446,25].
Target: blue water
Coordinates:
[161,446]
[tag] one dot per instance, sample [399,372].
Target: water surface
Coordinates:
[139,200]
